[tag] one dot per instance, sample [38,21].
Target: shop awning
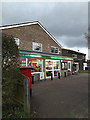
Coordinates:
[42,56]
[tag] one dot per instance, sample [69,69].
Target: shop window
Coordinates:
[83,57]
[52,66]
[37,46]
[54,50]
[36,63]
[22,62]
[49,65]
[64,65]
[69,65]
[56,65]
[17,41]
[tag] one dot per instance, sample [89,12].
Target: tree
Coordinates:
[11,77]
[10,69]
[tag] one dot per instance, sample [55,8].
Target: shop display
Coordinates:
[48,65]
[52,66]
[69,65]
[36,63]
[56,65]
[22,62]
[64,66]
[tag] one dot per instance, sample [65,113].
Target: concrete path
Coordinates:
[61,98]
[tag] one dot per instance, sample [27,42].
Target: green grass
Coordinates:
[84,71]
[17,112]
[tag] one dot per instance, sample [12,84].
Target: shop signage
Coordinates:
[32,55]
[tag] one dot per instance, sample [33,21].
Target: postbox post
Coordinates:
[27,72]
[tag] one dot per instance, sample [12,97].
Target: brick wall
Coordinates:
[32,33]
[79,58]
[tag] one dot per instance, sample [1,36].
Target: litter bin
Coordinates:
[27,72]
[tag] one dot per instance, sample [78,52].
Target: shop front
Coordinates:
[52,66]
[36,64]
[75,66]
[66,66]
[43,64]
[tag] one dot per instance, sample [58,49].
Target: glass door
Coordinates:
[49,68]
[52,66]
[56,67]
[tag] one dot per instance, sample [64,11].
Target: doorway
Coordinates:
[52,66]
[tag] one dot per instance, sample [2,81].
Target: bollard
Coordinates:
[30,92]
[64,74]
[59,75]
[51,76]
[32,79]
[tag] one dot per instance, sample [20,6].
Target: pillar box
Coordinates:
[27,72]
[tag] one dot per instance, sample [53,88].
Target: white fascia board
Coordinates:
[19,25]
[26,24]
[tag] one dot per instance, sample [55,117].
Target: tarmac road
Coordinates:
[61,98]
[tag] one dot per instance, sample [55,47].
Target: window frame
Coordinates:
[55,48]
[83,56]
[33,47]
[75,55]
[69,63]
[64,67]
[17,41]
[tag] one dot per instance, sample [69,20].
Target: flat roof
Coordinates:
[73,51]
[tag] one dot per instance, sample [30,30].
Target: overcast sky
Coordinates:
[67,22]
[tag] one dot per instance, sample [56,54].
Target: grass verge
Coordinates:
[84,71]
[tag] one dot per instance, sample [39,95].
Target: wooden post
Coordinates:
[27,96]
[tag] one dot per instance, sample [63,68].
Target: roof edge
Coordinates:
[26,24]
[17,25]
[74,51]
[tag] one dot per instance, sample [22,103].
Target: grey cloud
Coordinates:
[67,22]
[68,19]
[71,41]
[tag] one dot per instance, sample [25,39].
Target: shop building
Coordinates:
[39,49]
[79,58]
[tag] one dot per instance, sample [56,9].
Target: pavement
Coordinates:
[60,98]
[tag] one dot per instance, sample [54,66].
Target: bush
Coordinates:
[11,77]
[10,71]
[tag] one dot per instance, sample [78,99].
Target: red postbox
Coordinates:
[27,72]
